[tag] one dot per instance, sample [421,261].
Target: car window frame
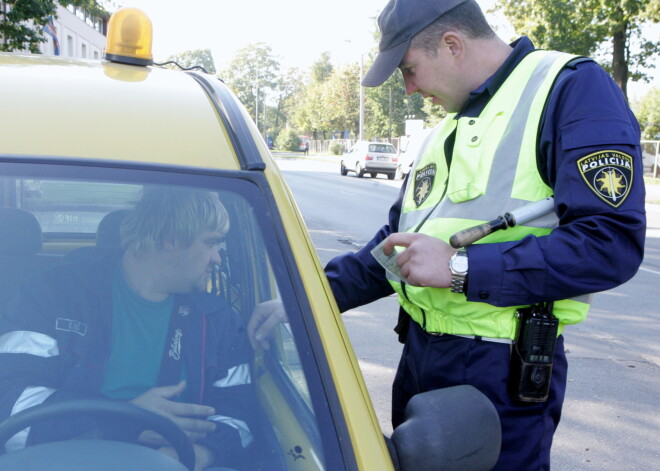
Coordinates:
[331,422]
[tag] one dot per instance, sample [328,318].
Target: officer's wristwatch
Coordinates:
[458,264]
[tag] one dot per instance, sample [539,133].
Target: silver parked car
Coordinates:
[372,158]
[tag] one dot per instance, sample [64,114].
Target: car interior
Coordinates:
[46,221]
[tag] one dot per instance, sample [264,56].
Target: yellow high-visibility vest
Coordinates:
[493,170]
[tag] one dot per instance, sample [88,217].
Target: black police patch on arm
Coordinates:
[609,174]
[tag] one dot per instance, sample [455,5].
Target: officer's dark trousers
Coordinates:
[431,362]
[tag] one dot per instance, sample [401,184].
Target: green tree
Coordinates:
[288,140]
[198,57]
[287,93]
[385,109]
[585,26]
[252,74]
[22,21]
[433,114]
[332,105]
[648,114]
[341,99]
[322,68]
[388,107]
[309,114]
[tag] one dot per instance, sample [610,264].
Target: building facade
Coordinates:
[75,33]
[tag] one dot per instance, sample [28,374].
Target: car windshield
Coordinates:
[382,148]
[76,246]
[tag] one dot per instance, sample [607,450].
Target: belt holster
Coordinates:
[402,325]
[533,352]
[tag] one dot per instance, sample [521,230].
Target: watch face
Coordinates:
[459,264]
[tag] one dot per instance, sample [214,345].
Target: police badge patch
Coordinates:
[609,174]
[424,179]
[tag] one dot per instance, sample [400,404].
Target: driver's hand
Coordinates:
[265,317]
[189,417]
[203,456]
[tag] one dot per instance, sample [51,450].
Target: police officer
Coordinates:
[523,125]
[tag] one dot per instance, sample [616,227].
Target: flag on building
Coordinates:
[49,29]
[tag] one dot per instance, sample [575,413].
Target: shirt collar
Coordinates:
[479,98]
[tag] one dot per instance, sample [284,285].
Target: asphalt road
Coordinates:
[611,417]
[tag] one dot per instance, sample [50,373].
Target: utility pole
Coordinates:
[361,130]
[390,113]
[361,122]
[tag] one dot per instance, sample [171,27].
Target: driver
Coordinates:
[140,327]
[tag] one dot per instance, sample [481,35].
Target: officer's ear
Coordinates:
[452,41]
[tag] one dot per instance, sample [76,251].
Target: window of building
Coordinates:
[69,46]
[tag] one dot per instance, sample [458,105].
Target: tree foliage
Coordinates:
[251,74]
[322,68]
[332,105]
[22,21]
[586,27]
[198,57]
[388,108]
[290,85]
[648,114]
[288,140]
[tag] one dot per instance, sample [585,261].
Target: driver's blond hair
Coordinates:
[172,213]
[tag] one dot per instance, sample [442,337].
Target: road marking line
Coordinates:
[655,272]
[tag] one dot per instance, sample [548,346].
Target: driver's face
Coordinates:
[194,264]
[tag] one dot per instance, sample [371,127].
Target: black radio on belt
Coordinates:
[533,352]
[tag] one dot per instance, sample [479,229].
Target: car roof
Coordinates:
[105,110]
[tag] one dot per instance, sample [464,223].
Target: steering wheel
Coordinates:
[103,409]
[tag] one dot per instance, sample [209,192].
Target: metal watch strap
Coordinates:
[458,279]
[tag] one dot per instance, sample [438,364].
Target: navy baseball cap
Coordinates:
[399,22]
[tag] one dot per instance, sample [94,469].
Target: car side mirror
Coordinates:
[450,429]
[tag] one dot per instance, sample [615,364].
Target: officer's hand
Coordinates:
[265,317]
[203,456]
[189,417]
[424,262]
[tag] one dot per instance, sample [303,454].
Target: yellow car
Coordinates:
[79,141]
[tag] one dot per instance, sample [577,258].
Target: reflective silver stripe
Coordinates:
[508,150]
[32,343]
[475,337]
[235,377]
[32,396]
[482,208]
[242,427]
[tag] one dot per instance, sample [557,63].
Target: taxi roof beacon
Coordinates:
[130,35]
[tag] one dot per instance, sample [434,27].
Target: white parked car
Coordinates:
[372,158]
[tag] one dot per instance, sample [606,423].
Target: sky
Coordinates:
[297,30]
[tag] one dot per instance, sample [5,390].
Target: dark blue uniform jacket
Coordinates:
[595,248]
